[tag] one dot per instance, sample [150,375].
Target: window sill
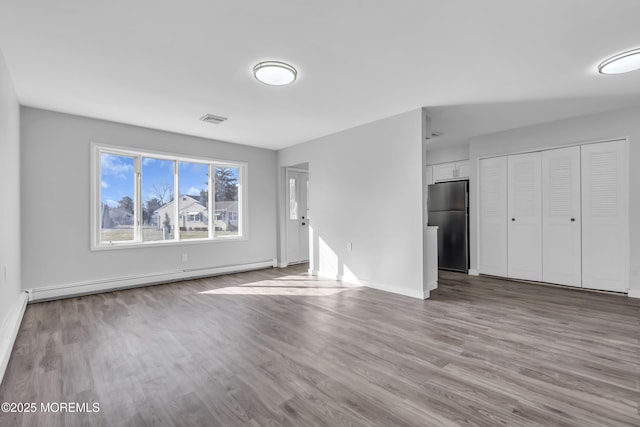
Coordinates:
[140,245]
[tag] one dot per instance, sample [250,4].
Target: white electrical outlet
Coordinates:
[350,246]
[185,257]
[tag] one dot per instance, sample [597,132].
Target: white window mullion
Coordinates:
[137,200]
[176,198]
[241,214]
[212,207]
[97,201]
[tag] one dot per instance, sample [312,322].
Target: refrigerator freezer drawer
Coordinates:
[452,239]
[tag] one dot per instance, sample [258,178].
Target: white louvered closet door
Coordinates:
[604,216]
[561,220]
[525,216]
[493,216]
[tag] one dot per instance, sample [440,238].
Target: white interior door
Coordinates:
[605,244]
[561,217]
[297,217]
[493,216]
[524,216]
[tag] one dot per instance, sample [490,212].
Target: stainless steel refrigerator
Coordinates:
[448,206]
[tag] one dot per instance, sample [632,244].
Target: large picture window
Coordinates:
[150,198]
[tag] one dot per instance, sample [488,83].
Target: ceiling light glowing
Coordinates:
[621,63]
[275,73]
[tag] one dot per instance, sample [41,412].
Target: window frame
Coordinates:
[97,149]
[293,199]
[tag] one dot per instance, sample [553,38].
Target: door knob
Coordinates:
[513,219]
[304,223]
[573,219]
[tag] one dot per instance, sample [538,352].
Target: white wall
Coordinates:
[607,125]
[447,155]
[56,202]
[366,188]
[10,281]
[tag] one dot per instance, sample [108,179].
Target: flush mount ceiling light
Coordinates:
[621,63]
[275,73]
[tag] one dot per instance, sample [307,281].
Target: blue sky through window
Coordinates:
[193,178]
[117,179]
[157,179]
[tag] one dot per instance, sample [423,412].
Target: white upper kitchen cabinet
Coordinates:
[451,171]
[463,169]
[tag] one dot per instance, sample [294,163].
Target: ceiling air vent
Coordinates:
[213,119]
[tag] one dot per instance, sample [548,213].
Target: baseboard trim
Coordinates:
[9,331]
[47,293]
[422,294]
[474,272]
[433,285]
[326,275]
[634,293]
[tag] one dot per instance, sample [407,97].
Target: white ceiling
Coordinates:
[459,123]
[163,64]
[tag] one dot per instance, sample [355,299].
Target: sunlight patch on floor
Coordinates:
[273,291]
[303,286]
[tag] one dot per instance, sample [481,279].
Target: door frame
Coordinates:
[285,209]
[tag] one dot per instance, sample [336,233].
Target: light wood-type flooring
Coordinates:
[276,347]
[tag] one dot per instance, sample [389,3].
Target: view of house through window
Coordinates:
[193,205]
[170,201]
[117,207]
[157,199]
[226,201]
